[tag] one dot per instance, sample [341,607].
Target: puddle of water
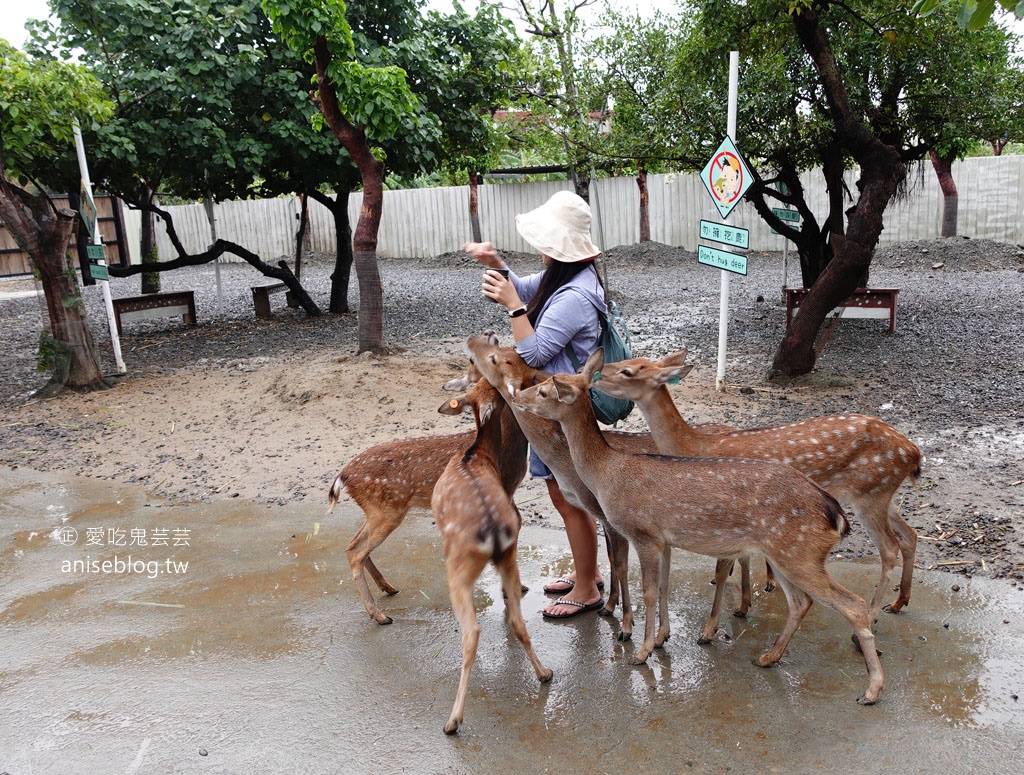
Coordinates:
[260,653]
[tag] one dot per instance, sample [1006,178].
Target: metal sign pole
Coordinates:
[208,204]
[723,307]
[103,278]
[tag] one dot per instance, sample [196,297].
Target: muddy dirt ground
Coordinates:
[269,410]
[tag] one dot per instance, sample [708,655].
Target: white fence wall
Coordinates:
[429,222]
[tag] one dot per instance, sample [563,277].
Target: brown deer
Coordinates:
[860,460]
[722,507]
[505,369]
[389,479]
[479,524]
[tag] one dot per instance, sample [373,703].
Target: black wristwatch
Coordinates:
[517,312]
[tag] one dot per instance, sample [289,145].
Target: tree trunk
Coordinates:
[43,234]
[338,208]
[881,174]
[944,172]
[371,302]
[150,280]
[645,216]
[301,236]
[474,206]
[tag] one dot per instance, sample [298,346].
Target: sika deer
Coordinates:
[505,369]
[720,507]
[860,460]
[389,479]
[479,524]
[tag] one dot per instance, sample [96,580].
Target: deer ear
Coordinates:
[453,406]
[594,363]
[673,375]
[675,359]
[564,392]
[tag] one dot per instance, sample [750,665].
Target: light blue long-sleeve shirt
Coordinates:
[570,315]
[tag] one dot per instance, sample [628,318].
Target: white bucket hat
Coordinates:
[560,228]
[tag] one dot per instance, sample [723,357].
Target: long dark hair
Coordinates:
[557,274]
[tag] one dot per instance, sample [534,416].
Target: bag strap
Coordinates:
[572,353]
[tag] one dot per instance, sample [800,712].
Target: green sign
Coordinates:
[99,272]
[724,233]
[786,215]
[95,251]
[722,259]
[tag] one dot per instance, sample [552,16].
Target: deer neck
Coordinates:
[591,454]
[671,433]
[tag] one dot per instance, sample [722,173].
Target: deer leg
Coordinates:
[799,603]
[650,576]
[906,536]
[722,570]
[460,590]
[829,592]
[621,581]
[378,577]
[663,623]
[877,525]
[613,582]
[508,567]
[377,527]
[769,580]
[746,591]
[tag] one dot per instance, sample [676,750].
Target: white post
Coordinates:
[108,302]
[723,307]
[208,204]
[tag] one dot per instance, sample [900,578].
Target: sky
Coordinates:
[14,14]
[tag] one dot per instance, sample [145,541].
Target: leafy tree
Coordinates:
[39,100]
[177,71]
[363,104]
[958,87]
[557,90]
[973,14]
[824,85]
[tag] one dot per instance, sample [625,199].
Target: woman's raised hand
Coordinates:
[484,252]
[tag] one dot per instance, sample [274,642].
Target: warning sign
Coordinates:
[726,177]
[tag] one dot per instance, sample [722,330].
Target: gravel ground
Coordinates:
[951,378]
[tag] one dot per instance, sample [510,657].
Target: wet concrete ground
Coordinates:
[259,658]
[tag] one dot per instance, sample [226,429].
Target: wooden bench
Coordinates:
[156,305]
[261,298]
[879,303]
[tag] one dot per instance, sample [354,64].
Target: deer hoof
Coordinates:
[702,641]
[865,701]
[605,611]
[623,636]
[740,614]
[382,619]
[893,608]
[451,727]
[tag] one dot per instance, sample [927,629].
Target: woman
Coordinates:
[561,309]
